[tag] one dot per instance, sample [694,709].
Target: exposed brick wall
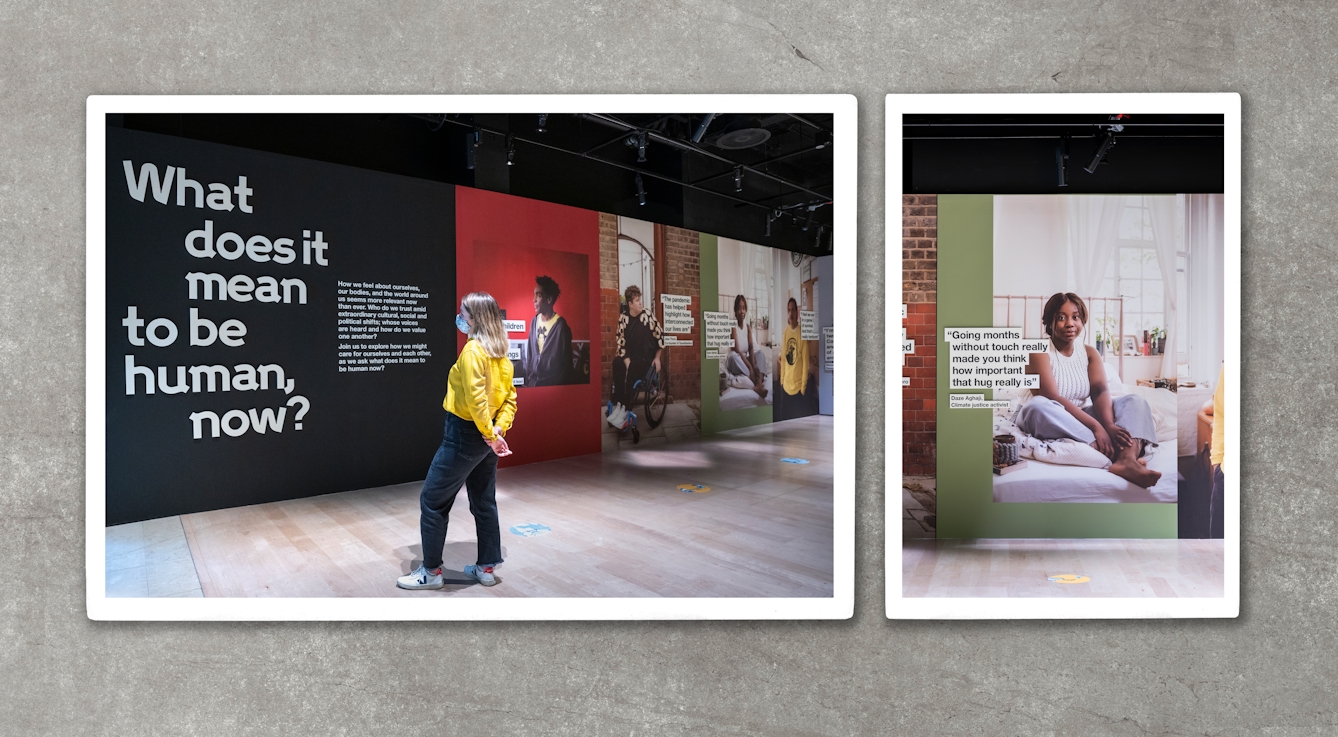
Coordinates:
[919,292]
[682,275]
[608,299]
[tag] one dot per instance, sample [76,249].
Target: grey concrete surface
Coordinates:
[1272,671]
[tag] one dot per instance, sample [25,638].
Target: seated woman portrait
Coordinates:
[1073,401]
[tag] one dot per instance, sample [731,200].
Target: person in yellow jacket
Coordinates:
[794,399]
[1217,503]
[480,406]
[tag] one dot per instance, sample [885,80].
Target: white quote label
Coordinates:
[808,325]
[990,358]
[717,326]
[677,317]
[828,357]
[513,326]
[975,401]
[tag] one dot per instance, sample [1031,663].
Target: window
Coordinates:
[1134,273]
[636,259]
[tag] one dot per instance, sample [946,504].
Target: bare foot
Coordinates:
[1136,473]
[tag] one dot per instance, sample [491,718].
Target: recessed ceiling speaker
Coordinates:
[743,132]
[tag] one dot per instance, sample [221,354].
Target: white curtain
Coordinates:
[1205,240]
[1093,229]
[1162,210]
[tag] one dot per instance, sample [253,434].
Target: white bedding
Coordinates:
[739,397]
[1045,482]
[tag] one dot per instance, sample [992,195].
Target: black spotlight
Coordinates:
[640,190]
[639,141]
[738,178]
[1106,142]
[543,123]
[510,150]
[809,221]
[770,217]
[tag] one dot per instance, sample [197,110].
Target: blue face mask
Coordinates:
[461,324]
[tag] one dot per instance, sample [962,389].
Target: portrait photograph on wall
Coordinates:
[1069,330]
[450,358]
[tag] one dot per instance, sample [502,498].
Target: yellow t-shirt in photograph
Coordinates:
[794,361]
[545,327]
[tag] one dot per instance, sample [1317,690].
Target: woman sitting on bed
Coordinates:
[1072,401]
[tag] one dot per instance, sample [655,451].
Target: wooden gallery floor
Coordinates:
[618,527]
[1023,568]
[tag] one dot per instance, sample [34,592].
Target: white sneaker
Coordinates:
[482,574]
[421,578]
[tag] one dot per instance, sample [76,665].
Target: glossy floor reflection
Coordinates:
[1023,567]
[618,526]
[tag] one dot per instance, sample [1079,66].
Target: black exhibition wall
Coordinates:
[294,318]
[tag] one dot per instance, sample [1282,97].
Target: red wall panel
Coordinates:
[502,243]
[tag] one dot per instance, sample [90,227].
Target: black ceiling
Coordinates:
[740,173]
[1022,154]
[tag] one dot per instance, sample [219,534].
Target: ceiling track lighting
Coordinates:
[1103,148]
[817,242]
[639,141]
[543,123]
[771,216]
[738,179]
[809,222]
[471,148]
[640,190]
[510,150]
[701,129]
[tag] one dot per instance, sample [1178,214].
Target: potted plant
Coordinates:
[1158,338]
[1105,327]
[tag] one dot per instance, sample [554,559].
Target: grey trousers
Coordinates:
[1047,419]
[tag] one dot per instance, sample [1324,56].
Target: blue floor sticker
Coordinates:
[530,529]
[794,460]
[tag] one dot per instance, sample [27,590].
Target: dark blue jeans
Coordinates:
[463,458]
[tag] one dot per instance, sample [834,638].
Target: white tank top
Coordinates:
[1070,373]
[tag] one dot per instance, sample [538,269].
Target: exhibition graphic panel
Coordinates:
[276,327]
[538,259]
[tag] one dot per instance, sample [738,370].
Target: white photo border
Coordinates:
[845,147]
[897,106]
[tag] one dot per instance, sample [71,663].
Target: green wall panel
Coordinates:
[966,507]
[713,420]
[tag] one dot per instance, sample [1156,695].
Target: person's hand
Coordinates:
[627,363]
[498,444]
[1120,436]
[655,364]
[1103,443]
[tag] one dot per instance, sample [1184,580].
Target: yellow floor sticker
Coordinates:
[693,488]
[1069,578]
